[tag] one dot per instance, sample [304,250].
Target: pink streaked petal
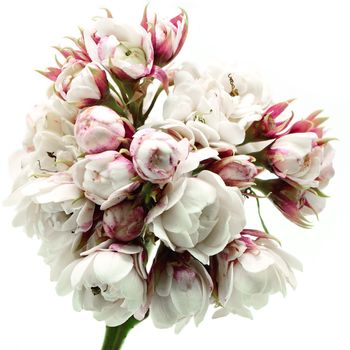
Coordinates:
[161,75]
[51,73]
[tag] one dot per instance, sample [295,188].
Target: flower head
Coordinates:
[198,214]
[182,288]
[126,50]
[249,270]
[168,36]
[237,171]
[98,129]
[105,178]
[157,154]
[81,84]
[124,221]
[294,203]
[108,283]
[297,158]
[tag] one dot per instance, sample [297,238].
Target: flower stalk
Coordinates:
[115,336]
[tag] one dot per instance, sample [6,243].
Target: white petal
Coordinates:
[256,263]
[111,267]
[162,312]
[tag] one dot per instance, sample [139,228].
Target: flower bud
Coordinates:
[168,36]
[236,170]
[98,129]
[124,221]
[295,204]
[311,124]
[106,178]
[126,50]
[157,154]
[297,158]
[269,126]
[81,84]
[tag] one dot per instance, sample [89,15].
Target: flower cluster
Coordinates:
[142,214]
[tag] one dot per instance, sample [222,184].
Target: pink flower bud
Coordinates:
[236,170]
[297,158]
[124,221]
[156,155]
[311,124]
[293,203]
[168,36]
[269,126]
[81,84]
[106,178]
[98,129]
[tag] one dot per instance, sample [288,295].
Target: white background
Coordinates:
[302,48]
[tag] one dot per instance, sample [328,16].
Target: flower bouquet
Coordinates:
[140,211]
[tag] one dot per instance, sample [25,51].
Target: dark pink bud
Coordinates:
[311,124]
[293,203]
[124,221]
[168,36]
[236,170]
[269,126]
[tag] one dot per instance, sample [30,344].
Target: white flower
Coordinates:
[108,283]
[207,102]
[54,210]
[105,177]
[157,154]
[53,115]
[58,250]
[251,97]
[249,271]
[297,158]
[49,145]
[53,204]
[198,214]
[182,291]
[126,50]
[98,129]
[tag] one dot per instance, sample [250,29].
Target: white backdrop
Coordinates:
[302,48]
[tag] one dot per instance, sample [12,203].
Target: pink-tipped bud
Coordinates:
[269,126]
[168,36]
[98,129]
[124,221]
[295,204]
[297,158]
[156,155]
[81,84]
[311,124]
[236,170]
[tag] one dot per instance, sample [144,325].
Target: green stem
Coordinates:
[110,102]
[260,216]
[115,336]
[258,207]
[154,100]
